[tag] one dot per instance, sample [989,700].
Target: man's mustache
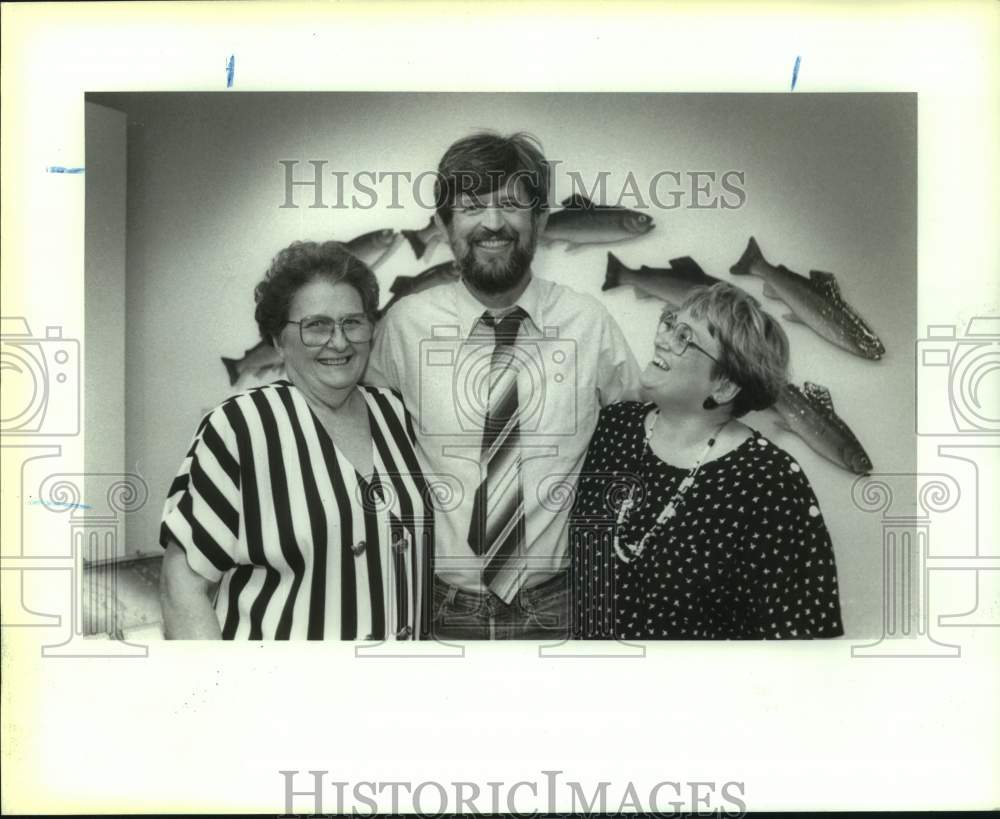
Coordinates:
[485,234]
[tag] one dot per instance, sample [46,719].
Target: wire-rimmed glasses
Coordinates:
[316,331]
[680,335]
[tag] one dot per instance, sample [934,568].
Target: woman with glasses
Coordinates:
[687,523]
[300,511]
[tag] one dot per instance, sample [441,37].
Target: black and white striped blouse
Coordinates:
[304,547]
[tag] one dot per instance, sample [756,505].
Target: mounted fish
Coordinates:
[670,284]
[439,274]
[815,302]
[809,414]
[256,361]
[375,247]
[423,241]
[581,222]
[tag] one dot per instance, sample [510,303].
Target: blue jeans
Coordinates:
[538,613]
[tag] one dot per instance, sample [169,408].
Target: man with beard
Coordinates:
[505,374]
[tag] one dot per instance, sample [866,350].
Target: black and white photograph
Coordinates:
[680,451]
[478,393]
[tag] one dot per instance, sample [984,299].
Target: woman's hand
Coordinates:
[186,600]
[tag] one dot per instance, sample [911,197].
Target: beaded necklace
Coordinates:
[670,509]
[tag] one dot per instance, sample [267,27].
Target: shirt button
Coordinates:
[358,547]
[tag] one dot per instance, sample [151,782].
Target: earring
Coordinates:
[709,403]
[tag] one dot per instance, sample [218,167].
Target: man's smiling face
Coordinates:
[493,236]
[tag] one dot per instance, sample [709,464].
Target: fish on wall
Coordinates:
[670,284]
[815,302]
[374,247]
[581,222]
[423,241]
[443,273]
[256,361]
[809,414]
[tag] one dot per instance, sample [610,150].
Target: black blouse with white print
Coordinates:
[747,555]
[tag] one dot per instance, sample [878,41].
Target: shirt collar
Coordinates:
[470,310]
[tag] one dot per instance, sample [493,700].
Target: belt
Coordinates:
[554,583]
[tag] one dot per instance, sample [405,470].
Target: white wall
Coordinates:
[104,277]
[831,183]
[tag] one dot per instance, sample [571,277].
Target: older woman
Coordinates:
[688,524]
[300,511]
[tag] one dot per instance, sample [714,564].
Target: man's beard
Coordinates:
[496,277]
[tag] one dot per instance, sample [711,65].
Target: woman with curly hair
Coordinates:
[300,511]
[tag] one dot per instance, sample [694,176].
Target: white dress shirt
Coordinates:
[433,348]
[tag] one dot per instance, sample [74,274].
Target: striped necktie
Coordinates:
[497,528]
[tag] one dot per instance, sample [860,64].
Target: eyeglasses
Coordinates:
[316,331]
[680,336]
[476,207]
